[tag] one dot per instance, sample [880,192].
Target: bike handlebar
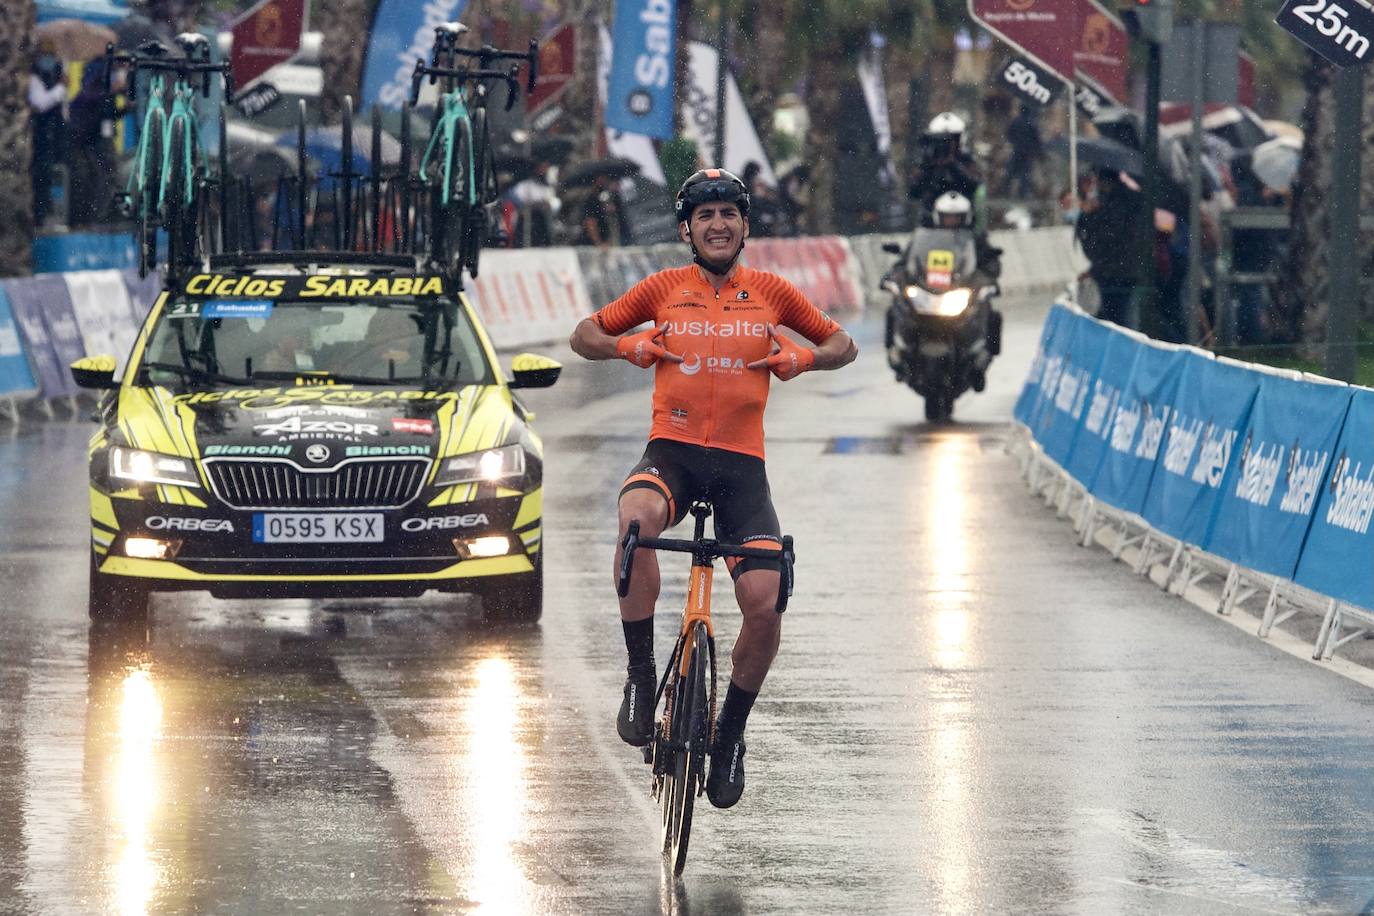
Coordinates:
[709,548]
[153,56]
[486,54]
[462,74]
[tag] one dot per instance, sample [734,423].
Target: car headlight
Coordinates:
[948,304]
[151,467]
[477,467]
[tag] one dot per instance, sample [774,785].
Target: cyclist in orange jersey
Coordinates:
[714,345]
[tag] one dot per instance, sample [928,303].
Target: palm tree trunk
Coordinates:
[1300,292]
[16,139]
[822,144]
[342,24]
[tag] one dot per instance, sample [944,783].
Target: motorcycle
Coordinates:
[941,330]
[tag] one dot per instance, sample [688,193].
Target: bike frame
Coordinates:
[665,751]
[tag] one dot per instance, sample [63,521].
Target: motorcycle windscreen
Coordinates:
[941,259]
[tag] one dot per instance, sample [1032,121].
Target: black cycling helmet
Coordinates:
[710,185]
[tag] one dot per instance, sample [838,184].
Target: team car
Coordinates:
[294,429]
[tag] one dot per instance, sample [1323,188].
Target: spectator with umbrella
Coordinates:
[1108,230]
[601,217]
[46,95]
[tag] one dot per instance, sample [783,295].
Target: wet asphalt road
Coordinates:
[969,713]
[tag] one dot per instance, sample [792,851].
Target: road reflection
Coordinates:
[135,791]
[494,761]
[951,755]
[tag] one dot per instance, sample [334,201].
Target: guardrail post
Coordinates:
[1271,609]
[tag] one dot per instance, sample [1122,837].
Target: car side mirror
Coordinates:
[530,370]
[95,372]
[892,248]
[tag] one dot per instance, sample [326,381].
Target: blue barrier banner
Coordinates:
[29,298]
[1082,364]
[1064,385]
[1110,384]
[1265,509]
[71,251]
[143,292]
[402,33]
[15,376]
[639,99]
[1135,428]
[1335,558]
[1030,391]
[1202,448]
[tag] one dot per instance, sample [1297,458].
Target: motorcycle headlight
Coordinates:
[917,297]
[947,304]
[151,467]
[476,467]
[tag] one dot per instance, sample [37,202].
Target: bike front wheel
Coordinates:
[686,749]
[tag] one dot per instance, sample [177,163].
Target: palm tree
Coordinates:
[16,146]
[343,40]
[1299,294]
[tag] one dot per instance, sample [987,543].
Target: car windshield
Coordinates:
[204,344]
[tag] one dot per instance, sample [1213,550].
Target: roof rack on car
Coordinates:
[428,208]
[312,258]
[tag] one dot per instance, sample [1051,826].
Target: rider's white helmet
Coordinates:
[952,210]
[946,124]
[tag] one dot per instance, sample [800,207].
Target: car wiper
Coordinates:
[192,373]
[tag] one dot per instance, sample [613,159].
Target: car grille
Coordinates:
[358,484]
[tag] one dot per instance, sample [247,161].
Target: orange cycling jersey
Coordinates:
[712,398]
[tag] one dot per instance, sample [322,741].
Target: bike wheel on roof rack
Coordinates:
[178,200]
[301,178]
[478,224]
[344,189]
[149,190]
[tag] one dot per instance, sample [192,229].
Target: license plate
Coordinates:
[316,527]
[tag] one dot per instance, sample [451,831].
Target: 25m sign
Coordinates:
[1338,30]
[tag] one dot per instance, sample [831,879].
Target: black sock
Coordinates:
[734,712]
[639,643]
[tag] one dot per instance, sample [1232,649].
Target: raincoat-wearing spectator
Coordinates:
[90,148]
[1108,230]
[1023,135]
[47,93]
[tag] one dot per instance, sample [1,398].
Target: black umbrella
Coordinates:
[1120,124]
[1100,153]
[587,172]
[553,150]
[136,29]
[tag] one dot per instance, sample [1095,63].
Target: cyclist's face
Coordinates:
[718,229]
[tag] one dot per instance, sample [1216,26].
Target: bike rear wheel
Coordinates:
[686,748]
[179,239]
[451,216]
[478,227]
[149,189]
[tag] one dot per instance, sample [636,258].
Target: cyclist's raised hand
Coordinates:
[789,360]
[645,348]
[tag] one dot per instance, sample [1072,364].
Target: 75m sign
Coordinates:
[1339,30]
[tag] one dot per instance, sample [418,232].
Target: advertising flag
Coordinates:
[402,33]
[640,98]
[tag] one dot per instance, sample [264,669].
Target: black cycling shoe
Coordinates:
[725,782]
[635,723]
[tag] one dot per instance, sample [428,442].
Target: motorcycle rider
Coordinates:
[944,166]
[951,212]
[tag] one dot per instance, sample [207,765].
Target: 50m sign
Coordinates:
[1339,31]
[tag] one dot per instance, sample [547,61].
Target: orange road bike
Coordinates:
[687,689]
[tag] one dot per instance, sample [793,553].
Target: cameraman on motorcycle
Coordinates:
[944,166]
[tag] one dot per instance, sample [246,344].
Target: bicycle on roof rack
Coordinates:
[458,165]
[169,170]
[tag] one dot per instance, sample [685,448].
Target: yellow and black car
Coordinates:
[296,430]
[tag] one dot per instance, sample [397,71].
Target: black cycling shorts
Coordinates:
[735,484]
